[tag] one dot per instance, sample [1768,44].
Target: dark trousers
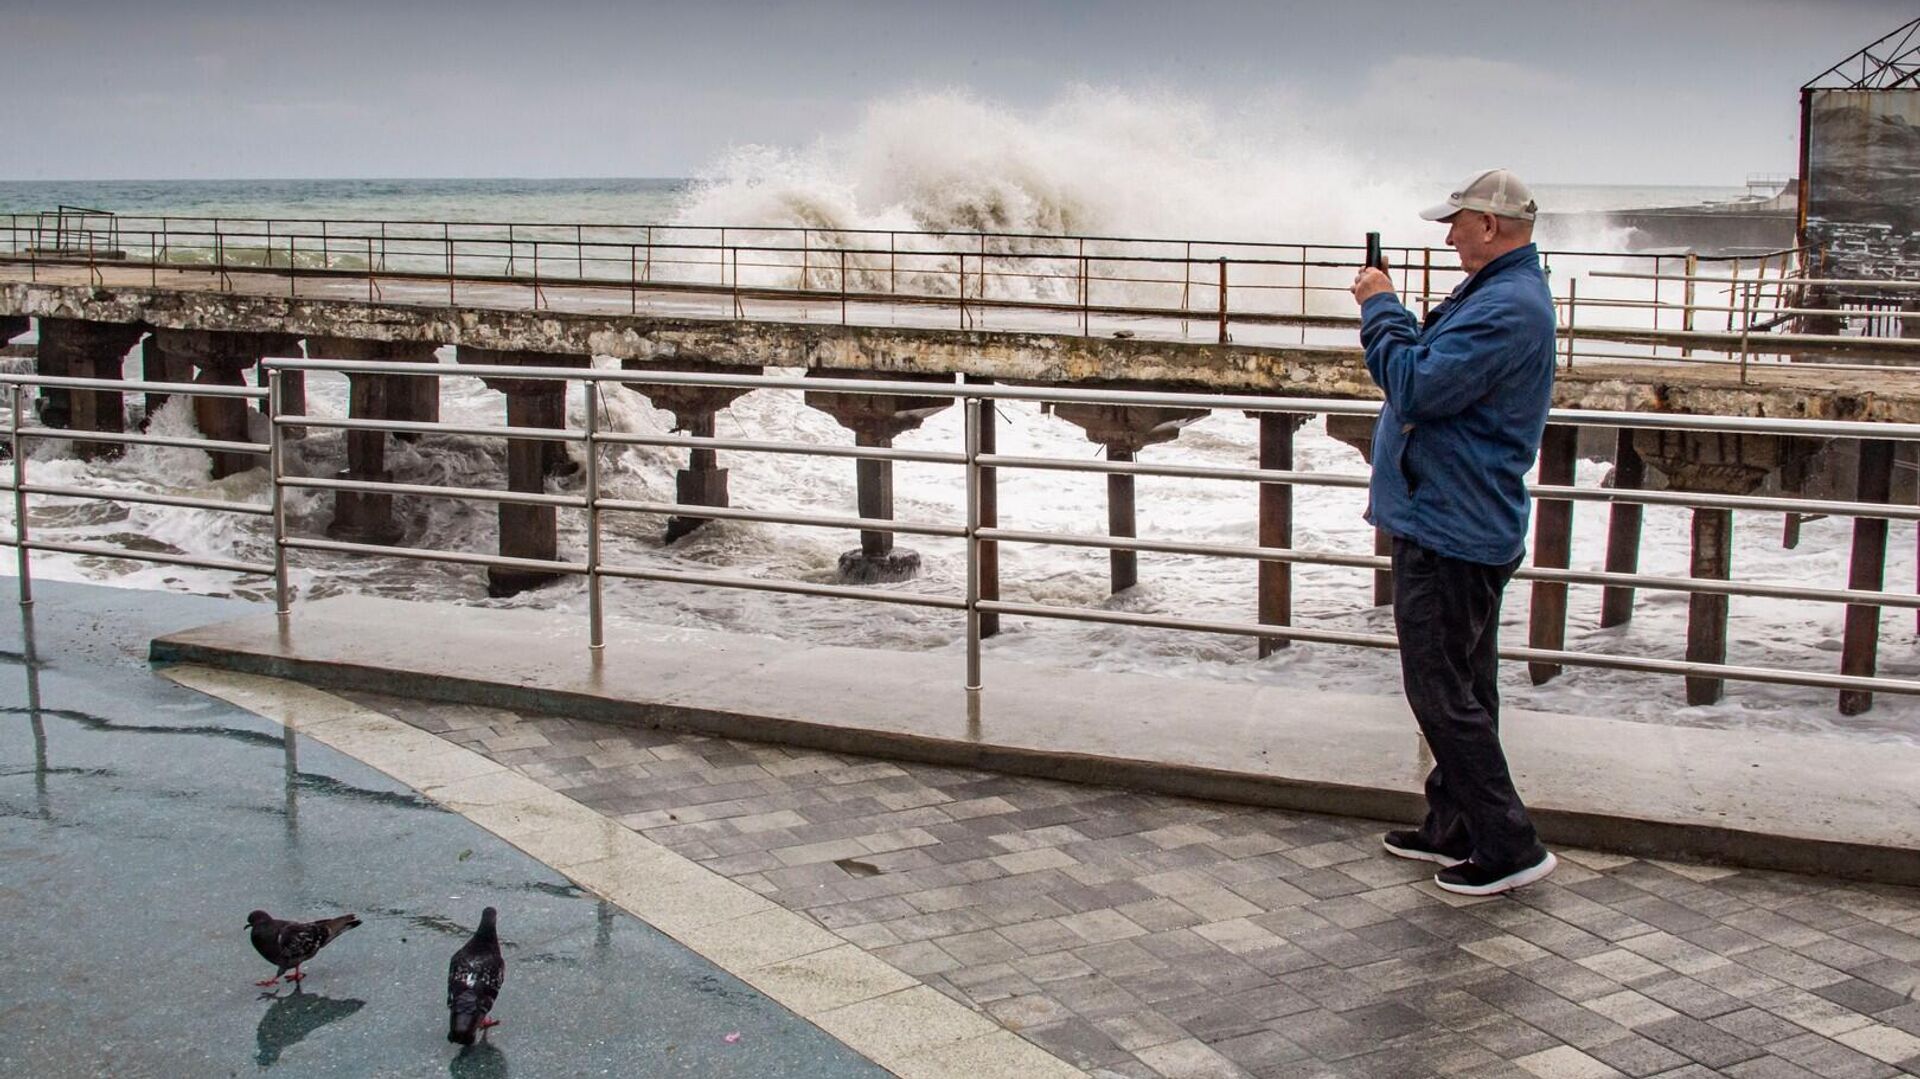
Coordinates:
[1447,613]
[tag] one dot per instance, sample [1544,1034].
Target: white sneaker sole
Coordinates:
[1508,883]
[1422,855]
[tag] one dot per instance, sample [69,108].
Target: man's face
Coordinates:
[1474,235]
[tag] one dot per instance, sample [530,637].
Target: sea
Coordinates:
[1050,190]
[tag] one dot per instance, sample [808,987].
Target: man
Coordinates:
[1466,402]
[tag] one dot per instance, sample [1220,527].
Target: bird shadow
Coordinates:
[482,1060]
[291,1018]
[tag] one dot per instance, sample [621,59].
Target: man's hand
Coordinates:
[1370,281]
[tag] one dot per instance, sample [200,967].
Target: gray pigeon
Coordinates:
[291,944]
[474,978]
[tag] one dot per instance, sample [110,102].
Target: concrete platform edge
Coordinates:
[1612,832]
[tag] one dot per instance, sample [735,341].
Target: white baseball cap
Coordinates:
[1491,191]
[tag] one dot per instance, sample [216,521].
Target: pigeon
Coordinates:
[290,944]
[473,980]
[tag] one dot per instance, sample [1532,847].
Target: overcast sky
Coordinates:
[1614,91]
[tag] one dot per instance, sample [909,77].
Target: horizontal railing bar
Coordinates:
[168,221]
[211,445]
[1200,472]
[700,442]
[731,513]
[416,427]
[1149,398]
[1532,655]
[111,495]
[537,565]
[759,584]
[1703,500]
[130,385]
[1294,555]
[254,569]
[482,494]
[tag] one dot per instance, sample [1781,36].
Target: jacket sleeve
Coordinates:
[1447,373]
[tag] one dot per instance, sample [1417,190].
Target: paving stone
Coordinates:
[1141,935]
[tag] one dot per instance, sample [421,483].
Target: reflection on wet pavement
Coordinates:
[293,1016]
[139,821]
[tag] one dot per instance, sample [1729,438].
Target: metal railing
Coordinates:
[1204,289]
[980,595]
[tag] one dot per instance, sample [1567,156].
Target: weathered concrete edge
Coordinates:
[1639,837]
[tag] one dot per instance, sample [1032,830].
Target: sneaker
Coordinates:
[1470,879]
[1408,844]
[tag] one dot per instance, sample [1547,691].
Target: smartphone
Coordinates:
[1374,258]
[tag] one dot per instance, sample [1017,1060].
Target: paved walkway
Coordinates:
[1139,935]
[139,822]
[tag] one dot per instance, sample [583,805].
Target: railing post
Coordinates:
[633,279]
[21,554]
[973,542]
[579,253]
[596,629]
[843,285]
[282,594]
[1686,302]
[1223,300]
[1573,302]
[446,237]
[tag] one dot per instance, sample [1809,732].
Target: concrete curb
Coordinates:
[1825,806]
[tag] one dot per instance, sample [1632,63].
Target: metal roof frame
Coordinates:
[1891,63]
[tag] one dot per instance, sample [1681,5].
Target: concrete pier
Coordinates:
[1275,602]
[222,359]
[527,531]
[360,517]
[1552,547]
[80,348]
[1124,431]
[1357,431]
[703,482]
[875,421]
[1716,464]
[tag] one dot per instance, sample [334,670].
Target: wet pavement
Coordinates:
[140,821]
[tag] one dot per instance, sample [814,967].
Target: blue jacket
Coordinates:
[1467,398]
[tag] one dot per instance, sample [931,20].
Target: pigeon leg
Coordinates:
[488,1023]
[296,975]
[273,981]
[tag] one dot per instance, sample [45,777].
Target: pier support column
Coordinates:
[222,359]
[1125,430]
[527,531]
[360,517]
[1357,431]
[77,348]
[1715,463]
[159,365]
[703,482]
[1275,590]
[875,421]
[1860,645]
[1623,530]
[1552,548]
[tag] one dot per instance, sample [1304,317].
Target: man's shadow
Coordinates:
[290,1018]
[479,1061]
